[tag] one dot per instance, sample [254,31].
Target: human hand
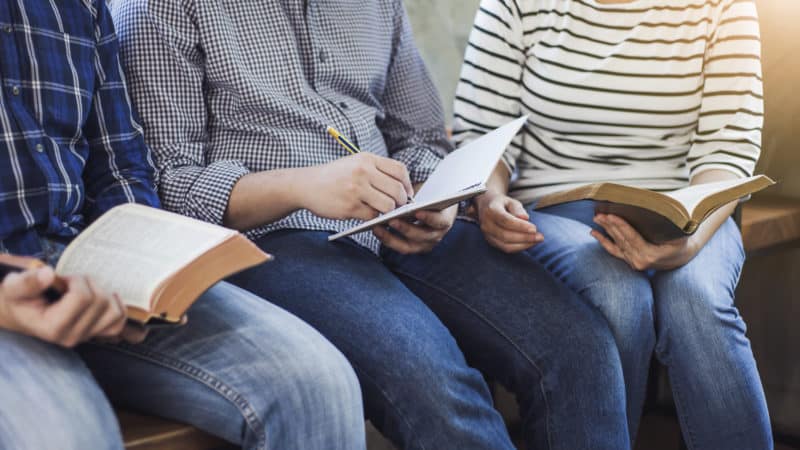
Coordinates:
[628,245]
[360,186]
[419,237]
[505,223]
[82,313]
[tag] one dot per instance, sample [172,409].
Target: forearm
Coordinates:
[263,197]
[712,224]
[497,184]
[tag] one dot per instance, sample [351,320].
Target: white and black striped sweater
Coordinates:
[647,93]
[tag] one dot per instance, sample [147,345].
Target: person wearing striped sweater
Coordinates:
[658,94]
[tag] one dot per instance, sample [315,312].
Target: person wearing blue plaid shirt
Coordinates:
[242,368]
[235,97]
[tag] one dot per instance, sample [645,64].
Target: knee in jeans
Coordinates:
[692,308]
[587,350]
[320,378]
[623,295]
[48,388]
[425,370]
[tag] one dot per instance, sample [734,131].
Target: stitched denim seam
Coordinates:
[679,399]
[504,336]
[202,376]
[684,421]
[400,414]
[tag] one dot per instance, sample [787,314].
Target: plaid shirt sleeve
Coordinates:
[413,125]
[168,91]
[119,168]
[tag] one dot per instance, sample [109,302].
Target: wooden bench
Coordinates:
[768,223]
[151,433]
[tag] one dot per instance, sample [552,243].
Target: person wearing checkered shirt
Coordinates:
[69,151]
[235,97]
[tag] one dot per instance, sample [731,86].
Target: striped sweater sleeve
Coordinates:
[488,92]
[731,118]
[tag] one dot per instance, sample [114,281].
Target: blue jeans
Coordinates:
[513,321]
[687,315]
[241,369]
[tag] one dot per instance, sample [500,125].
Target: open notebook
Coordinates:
[460,175]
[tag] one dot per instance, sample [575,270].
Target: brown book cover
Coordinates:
[661,216]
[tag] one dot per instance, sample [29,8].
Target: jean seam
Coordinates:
[680,403]
[677,393]
[400,413]
[504,336]
[204,377]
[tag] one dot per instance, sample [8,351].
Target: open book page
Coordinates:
[469,166]
[691,196]
[132,248]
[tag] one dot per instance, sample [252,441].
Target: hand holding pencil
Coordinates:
[353,150]
[361,186]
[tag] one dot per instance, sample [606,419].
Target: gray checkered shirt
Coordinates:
[227,87]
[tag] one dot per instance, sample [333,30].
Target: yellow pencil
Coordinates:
[349,146]
[343,141]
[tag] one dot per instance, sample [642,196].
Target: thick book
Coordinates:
[158,262]
[661,216]
[461,175]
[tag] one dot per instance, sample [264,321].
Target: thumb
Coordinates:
[28,284]
[515,208]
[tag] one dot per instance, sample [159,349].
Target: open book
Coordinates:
[158,262]
[661,216]
[462,174]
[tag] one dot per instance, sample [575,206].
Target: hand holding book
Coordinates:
[79,312]
[661,231]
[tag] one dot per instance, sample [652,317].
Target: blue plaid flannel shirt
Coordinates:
[70,148]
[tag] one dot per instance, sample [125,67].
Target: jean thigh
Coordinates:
[241,368]
[416,384]
[50,400]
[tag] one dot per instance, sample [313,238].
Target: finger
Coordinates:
[113,321]
[87,322]
[28,284]
[492,228]
[65,321]
[610,247]
[510,237]
[134,334]
[612,230]
[416,233]
[398,171]
[498,214]
[377,200]
[507,247]
[365,212]
[515,208]
[630,234]
[394,241]
[390,187]
[436,220]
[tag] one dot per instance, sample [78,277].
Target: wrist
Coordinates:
[487,197]
[298,184]
[693,246]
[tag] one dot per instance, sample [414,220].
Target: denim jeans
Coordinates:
[241,369]
[513,321]
[687,315]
